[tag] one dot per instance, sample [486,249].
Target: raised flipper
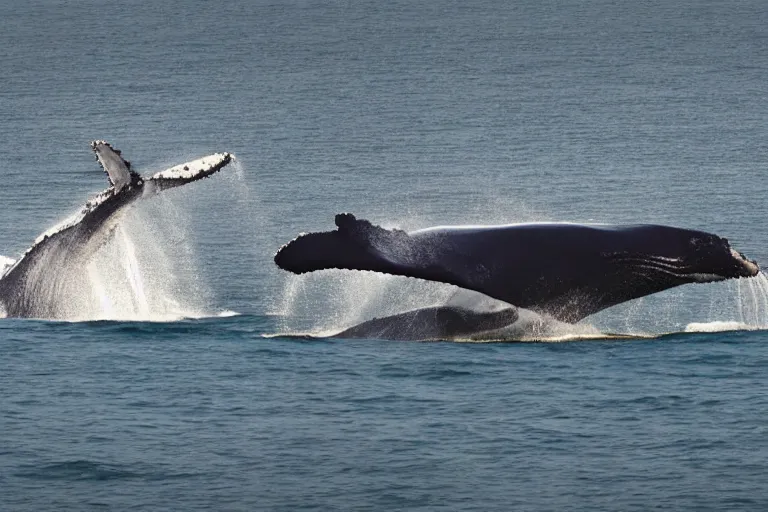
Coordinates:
[117,168]
[120,174]
[188,172]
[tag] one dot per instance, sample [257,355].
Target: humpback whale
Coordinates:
[31,286]
[561,270]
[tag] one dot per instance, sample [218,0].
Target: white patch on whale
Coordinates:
[191,169]
[5,264]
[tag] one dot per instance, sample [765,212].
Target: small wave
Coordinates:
[77,470]
[86,470]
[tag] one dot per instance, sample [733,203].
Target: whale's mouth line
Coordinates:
[650,269]
[678,269]
[648,265]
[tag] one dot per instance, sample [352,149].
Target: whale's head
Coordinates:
[673,256]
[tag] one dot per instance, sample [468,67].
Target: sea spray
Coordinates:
[5,264]
[751,296]
[99,294]
[145,270]
[749,309]
[149,268]
[133,275]
[329,301]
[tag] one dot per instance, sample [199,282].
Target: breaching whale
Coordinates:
[565,271]
[30,287]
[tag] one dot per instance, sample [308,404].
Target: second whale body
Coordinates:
[432,324]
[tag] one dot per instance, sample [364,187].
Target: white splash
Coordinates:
[133,274]
[329,301]
[100,294]
[750,298]
[145,271]
[326,302]
[533,327]
[753,301]
[719,326]
[5,264]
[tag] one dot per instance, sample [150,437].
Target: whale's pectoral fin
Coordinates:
[189,172]
[117,168]
[358,244]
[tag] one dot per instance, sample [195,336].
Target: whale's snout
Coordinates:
[746,266]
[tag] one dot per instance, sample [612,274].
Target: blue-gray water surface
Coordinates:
[410,115]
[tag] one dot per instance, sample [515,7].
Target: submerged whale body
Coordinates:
[565,271]
[431,324]
[33,286]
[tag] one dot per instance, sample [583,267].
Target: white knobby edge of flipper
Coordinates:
[117,168]
[195,169]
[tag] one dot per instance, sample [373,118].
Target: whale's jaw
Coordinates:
[745,266]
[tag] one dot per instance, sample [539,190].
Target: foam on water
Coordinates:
[719,326]
[133,274]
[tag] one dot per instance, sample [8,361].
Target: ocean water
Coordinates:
[189,386]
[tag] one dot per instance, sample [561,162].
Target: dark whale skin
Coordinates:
[566,271]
